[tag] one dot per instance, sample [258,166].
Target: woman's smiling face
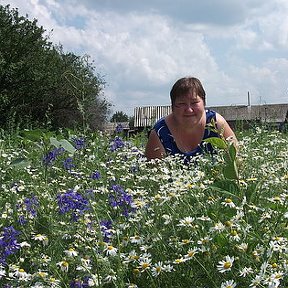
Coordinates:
[188,107]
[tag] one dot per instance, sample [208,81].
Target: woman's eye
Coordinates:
[180,104]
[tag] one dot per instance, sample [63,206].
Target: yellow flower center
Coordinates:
[158,269]
[42,274]
[136,271]
[278,276]
[191,253]
[65,264]
[134,257]
[228,223]
[227,265]
[185,241]
[177,261]
[145,265]
[157,197]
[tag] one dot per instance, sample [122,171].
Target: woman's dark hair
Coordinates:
[186,85]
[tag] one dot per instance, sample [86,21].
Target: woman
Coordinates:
[184,129]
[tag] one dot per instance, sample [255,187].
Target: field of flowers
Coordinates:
[90,211]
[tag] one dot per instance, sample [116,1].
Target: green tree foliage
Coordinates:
[39,83]
[119,116]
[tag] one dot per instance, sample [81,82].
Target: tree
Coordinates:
[119,116]
[38,81]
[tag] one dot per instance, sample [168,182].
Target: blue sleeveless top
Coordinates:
[169,143]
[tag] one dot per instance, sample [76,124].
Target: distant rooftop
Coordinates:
[146,116]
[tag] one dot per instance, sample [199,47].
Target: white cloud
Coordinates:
[143,47]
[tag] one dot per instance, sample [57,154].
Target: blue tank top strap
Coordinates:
[210,115]
[165,136]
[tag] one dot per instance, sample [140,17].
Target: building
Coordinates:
[274,114]
[111,127]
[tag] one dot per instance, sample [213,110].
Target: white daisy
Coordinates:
[187,222]
[71,252]
[22,275]
[226,264]
[64,266]
[218,227]
[228,202]
[41,238]
[2,271]
[191,253]
[245,271]
[157,269]
[144,263]
[110,250]
[228,284]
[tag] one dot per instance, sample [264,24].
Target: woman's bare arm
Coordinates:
[228,133]
[154,148]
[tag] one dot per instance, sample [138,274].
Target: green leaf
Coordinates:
[67,146]
[33,135]
[54,142]
[232,151]
[64,144]
[20,162]
[230,171]
[217,142]
[227,185]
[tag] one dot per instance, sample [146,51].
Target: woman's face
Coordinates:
[188,108]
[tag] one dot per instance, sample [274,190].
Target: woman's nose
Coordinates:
[189,107]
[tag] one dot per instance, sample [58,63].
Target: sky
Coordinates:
[141,47]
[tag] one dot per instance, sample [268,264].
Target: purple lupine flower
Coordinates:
[31,205]
[120,198]
[95,175]
[79,143]
[72,202]
[134,168]
[52,155]
[106,226]
[119,128]
[116,144]
[15,186]
[22,220]
[68,164]
[80,283]
[8,243]
[89,194]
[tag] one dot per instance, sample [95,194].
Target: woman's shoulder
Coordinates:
[213,115]
[160,123]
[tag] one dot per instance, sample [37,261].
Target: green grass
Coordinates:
[102,216]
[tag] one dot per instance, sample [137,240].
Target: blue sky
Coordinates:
[142,47]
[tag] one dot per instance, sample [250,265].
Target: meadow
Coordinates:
[88,210]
